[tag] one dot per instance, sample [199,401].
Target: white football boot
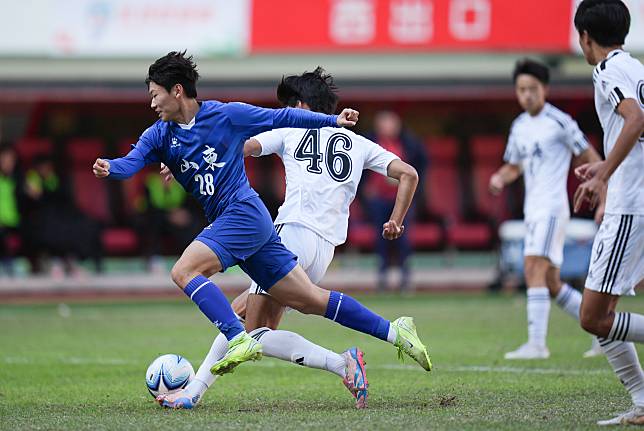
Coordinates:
[529,351]
[635,416]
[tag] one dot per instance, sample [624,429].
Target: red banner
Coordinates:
[410,25]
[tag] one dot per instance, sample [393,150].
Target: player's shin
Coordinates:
[212,302]
[348,312]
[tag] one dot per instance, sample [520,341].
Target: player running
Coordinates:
[617,260]
[542,141]
[202,145]
[323,168]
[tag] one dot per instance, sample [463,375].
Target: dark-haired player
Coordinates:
[202,145]
[323,168]
[617,260]
[542,141]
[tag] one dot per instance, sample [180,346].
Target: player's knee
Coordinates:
[592,323]
[181,274]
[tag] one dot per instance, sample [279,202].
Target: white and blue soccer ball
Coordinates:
[167,374]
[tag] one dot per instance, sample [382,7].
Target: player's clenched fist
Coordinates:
[391,230]
[101,168]
[348,117]
[496,184]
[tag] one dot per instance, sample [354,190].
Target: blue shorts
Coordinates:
[244,235]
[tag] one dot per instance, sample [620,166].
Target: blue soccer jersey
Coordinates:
[206,156]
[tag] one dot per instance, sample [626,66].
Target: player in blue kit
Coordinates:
[202,145]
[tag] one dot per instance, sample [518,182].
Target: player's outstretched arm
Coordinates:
[506,174]
[121,168]
[408,181]
[596,174]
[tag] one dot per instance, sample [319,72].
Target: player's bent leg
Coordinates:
[190,273]
[597,312]
[263,311]
[297,291]
[196,259]
[291,347]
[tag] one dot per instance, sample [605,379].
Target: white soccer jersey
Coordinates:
[620,77]
[323,168]
[543,146]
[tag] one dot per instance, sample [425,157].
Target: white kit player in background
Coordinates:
[323,168]
[617,260]
[541,144]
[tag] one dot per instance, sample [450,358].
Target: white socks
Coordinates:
[622,357]
[284,345]
[204,378]
[392,334]
[569,300]
[538,315]
[627,327]
[292,347]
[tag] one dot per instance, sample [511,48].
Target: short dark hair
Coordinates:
[174,68]
[606,21]
[531,67]
[316,89]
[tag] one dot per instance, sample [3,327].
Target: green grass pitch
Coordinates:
[83,368]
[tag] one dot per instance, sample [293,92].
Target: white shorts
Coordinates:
[314,253]
[545,237]
[617,260]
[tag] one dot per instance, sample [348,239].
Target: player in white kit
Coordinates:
[617,260]
[542,142]
[323,168]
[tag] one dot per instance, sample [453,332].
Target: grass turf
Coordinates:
[82,367]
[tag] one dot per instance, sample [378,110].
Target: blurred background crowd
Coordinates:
[431,78]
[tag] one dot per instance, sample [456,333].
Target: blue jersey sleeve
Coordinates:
[143,153]
[255,120]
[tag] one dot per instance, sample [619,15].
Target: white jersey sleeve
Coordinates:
[615,86]
[272,142]
[574,138]
[512,154]
[377,159]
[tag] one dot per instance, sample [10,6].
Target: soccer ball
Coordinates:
[167,374]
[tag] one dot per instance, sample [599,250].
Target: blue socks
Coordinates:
[212,302]
[350,313]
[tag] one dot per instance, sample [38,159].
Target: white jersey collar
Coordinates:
[189,125]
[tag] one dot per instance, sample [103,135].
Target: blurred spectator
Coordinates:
[53,226]
[380,195]
[168,214]
[10,187]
